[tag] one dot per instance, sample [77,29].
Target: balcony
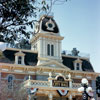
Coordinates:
[46,84]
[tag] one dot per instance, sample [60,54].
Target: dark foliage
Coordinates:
[18,16]
[15,15]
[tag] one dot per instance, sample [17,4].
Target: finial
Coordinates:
[69,76]
[50,74]
[29,77]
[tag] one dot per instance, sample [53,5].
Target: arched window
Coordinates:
[19,60]
[48,49]
[10,81]
[52,50]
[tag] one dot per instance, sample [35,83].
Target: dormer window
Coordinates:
[19,58]
[78,65]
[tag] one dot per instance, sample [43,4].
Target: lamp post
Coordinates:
[86,90]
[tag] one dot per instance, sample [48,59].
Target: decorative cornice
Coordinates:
[45,35]
[11,68]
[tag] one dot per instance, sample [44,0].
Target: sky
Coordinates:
[79,23]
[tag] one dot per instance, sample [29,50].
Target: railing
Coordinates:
[31,83]
[38,83]
[76,85]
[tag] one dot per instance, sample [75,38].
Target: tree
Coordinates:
[16,15]
[14,93]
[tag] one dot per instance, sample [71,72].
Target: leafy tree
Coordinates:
[14,93]
[18,16]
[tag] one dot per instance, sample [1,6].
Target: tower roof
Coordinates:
[46,24]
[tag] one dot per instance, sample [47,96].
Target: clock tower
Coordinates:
[46,40]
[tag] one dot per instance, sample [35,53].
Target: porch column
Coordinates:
[70,97]
[70,80]
[50,96]
[50,79]
[70,83]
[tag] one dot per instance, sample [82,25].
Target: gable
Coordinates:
[54,64]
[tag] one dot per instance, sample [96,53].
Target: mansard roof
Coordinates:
[86,65]
[46,24]
[31,59]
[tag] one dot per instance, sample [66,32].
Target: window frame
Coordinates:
[19,59]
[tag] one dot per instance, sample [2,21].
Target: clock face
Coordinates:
[50,25]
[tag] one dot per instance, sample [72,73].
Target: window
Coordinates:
[52,50]
[10,81]
[19,60]
[48,49]
[78,65]
[77,68]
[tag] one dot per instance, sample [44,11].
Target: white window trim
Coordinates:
[17,55]
[75,64]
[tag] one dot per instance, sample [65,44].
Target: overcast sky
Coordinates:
[79,23]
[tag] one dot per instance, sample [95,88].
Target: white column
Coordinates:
[41,46]
[70,97]
[23,60]
[16,59]
[50,96]
[43,49]
[60,48]
[70,83]
[70,80]
[50,79]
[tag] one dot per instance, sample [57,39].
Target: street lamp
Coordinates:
[86,90]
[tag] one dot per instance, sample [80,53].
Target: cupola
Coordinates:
[46,24]
[46,40]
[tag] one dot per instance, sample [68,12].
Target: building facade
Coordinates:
[50,73]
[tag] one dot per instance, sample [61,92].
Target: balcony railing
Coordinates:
[76,85]
[38,83]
